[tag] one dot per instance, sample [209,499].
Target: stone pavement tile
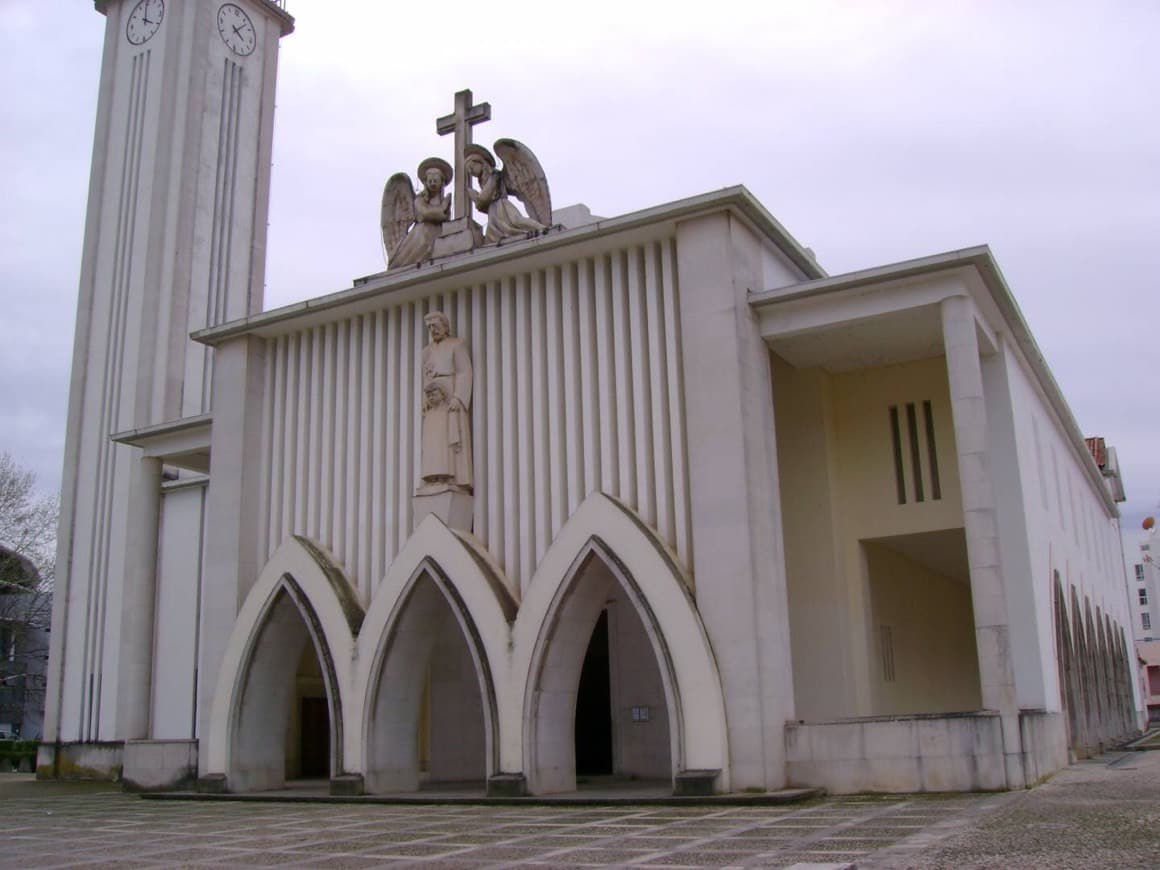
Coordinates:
[635,821]
[409,850]
[556,841]
[816,857]
[297,841]
[656,842]
[699,830]
[862,843]
[365,842]
[795,830]
[468,839]
[884,830]
[346,845]
[727,845]
[261,858]
[764,845]
[505,854]
[762,831]
[181,856]
[341,862]
[605,830]
[73,860]
[43,859]
[700,859]
[121,852]
[513,830]
[602,857]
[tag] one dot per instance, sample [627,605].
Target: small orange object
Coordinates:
[1148,523]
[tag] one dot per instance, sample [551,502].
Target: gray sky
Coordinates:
[875,131]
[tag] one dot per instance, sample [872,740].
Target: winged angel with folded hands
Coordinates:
[412,222]
[521,176]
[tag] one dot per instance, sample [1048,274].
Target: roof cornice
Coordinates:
[736,199]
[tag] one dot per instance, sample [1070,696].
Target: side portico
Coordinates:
[948,487]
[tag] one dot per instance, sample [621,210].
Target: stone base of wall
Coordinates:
[921,753]
[160,765]
[80,760]
[1043,736]
[347,785]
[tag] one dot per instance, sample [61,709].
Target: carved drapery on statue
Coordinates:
[413,221]
[521,176]
[418,227]
[446,463]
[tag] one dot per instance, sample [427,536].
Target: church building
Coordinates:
[553,498]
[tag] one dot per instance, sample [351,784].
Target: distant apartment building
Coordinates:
[1145,599]
[25,613]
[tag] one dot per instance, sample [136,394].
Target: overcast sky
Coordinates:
[875,131]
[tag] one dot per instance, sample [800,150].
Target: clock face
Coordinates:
[237,30]
[144,21]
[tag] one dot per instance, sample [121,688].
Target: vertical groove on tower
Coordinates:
[222,227]
[110,398]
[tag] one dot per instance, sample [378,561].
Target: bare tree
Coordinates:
[27,544]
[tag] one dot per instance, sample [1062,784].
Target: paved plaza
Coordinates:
[1100,813]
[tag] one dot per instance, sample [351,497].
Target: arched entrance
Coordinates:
[285,681]
[428,723]
[432,653]
[285,719]
[665,699]
[599,702]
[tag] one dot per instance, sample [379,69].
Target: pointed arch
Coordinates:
[659,589]
[1104,678]
[1091,659]
[1065,663]
[437,569]
[301,595]
[1079,647]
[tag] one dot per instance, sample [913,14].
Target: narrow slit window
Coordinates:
[915,461]
[931,452]
[899,478]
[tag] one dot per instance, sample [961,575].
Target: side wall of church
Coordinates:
[1069,532]
[578,388]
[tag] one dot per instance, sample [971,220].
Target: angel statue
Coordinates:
[413,221]
[520,176]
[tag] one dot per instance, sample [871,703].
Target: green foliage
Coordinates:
[27,530]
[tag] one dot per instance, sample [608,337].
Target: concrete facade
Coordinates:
[798,512]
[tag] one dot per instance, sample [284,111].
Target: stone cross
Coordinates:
[460,123]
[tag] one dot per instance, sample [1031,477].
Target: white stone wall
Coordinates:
[641,746]
[178,611]
[1069,530]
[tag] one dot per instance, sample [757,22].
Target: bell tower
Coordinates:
[175,241]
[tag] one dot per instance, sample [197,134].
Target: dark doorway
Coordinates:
[315,737]
[594,706]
